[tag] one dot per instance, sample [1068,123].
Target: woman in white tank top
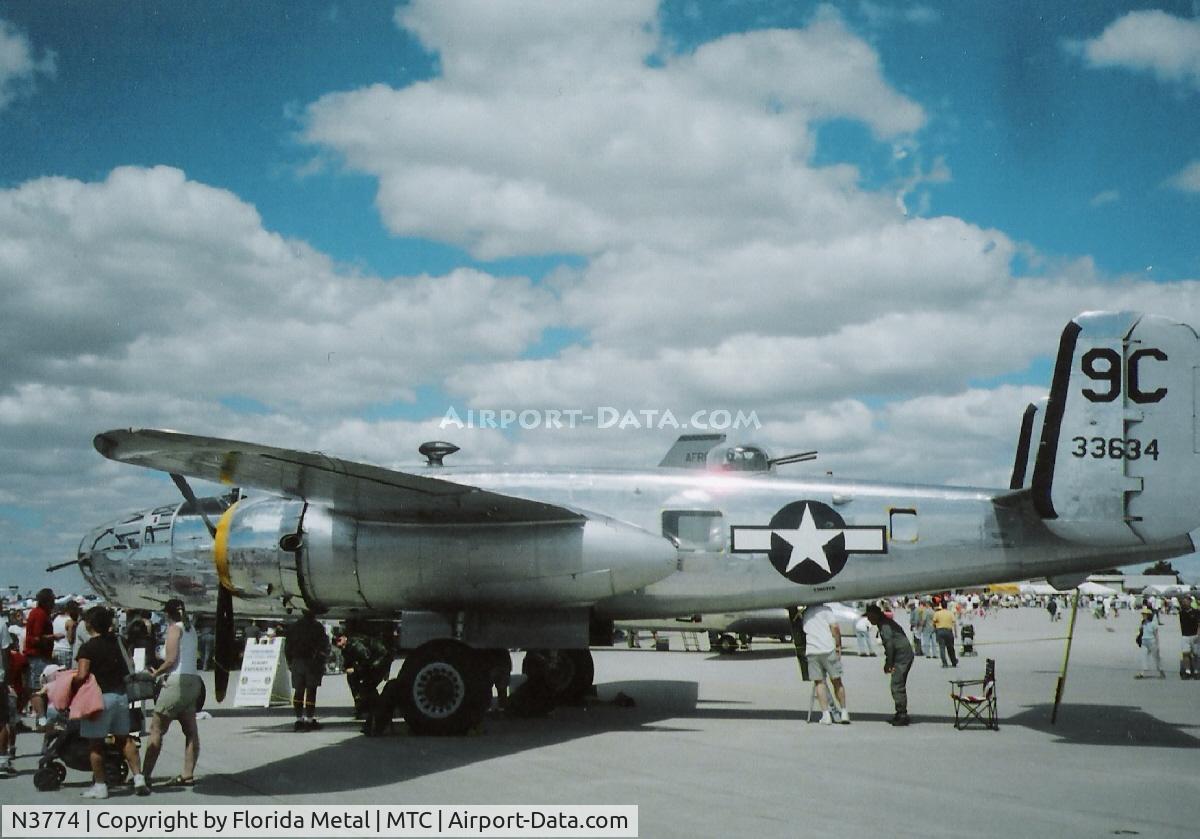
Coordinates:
[180,695]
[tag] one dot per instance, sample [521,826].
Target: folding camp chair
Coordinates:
[979,707]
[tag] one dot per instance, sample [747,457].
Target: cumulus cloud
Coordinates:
[567,137]
[717,267]
[149,278]
[1149,41]
[1187,179]
[19,64]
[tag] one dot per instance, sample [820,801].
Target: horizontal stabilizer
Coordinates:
[356,488]
[1119,457]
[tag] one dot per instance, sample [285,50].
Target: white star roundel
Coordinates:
[807,541]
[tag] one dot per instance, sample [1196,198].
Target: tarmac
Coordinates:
[719,746]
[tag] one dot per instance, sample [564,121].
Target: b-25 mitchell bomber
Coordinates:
[1107,473]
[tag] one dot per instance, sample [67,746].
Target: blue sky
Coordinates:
[1033,136]
[321,224]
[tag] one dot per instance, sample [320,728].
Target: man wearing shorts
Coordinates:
[823,650]
[306,647]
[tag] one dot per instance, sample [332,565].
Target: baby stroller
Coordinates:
[968,639]
[65,748]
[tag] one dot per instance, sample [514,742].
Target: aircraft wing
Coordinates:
[355,488]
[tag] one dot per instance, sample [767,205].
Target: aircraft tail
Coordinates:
[691,451]
[1119,455]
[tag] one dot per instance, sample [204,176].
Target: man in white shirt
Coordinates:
[823,650]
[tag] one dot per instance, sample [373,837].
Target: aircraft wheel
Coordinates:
[567,674]
[727,644]
[443,689]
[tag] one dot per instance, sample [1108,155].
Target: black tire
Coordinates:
[443,689]
[727,644]
[567,674]
[46,778]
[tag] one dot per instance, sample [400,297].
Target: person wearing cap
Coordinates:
[179,698]
[366,661]
[897,659]
[1147,639]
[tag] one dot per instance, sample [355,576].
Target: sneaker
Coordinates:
[844,718]
[300,725]
[826,719]
[6,769]
[140,787]
[95,791]
[313,725]
[899,719]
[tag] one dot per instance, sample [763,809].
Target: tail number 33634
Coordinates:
[1114,448]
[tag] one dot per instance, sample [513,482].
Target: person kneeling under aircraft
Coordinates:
[367,661]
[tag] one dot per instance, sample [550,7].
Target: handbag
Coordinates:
[139,685]
[88,701]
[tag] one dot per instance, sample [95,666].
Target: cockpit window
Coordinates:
[210,506]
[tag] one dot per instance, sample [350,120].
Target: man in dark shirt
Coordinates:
[897,659]
[367,661]
[1189,624]
[306,647]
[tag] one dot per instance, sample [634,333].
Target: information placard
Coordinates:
[264,676]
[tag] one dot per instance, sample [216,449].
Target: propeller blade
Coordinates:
[185,489]
[226,651]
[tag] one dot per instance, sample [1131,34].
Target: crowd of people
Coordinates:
[935,622]
[57,654]
[62,657]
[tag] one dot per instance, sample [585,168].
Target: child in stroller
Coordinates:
[63,747]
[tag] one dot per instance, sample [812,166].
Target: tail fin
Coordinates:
[1027,444]
[1119,458]
[691,450]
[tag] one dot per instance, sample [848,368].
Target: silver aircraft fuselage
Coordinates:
[654,543]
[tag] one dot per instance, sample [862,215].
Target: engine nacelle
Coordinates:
[386,566]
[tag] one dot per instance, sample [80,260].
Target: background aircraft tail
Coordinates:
[1118,460]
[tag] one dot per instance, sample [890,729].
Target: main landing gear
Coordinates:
[445,688]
